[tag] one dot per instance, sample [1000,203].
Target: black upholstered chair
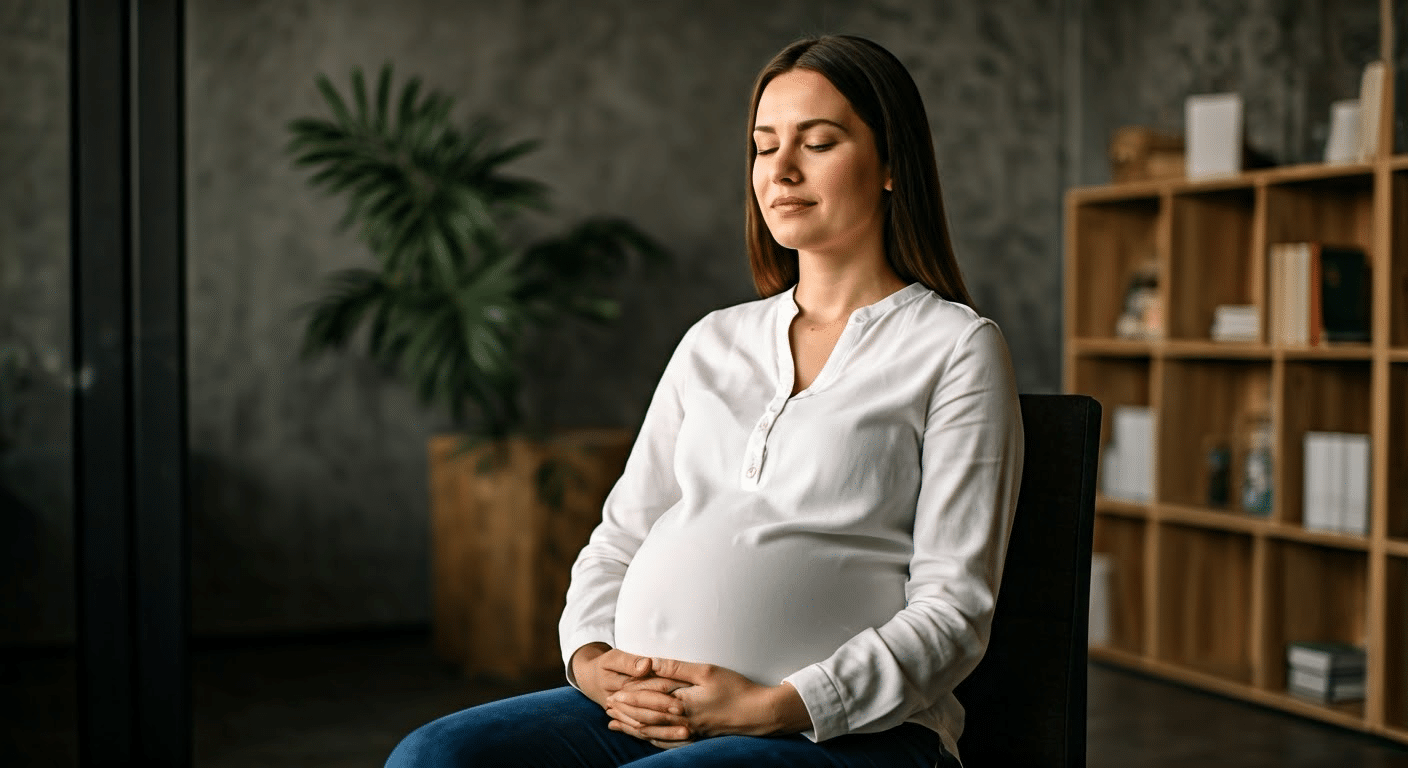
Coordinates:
[1026,701]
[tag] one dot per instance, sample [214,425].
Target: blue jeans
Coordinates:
[562,728]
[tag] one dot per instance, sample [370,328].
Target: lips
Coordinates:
[791,203]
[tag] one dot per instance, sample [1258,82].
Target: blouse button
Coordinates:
[752,471]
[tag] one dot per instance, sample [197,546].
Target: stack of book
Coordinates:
[1127,466]
[1336,483]
[1319,293]
[1325,672]
[1236,322]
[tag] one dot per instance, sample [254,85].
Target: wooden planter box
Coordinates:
[507,521]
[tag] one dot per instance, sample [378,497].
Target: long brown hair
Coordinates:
[884,96]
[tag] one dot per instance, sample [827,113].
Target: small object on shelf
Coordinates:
[1213,123]
[1256,467]
[1101,566]
[1127,464]
[1343,144]
[1219,468]
[1142,317]
[1325,672]
[1236,322]
[1140,153]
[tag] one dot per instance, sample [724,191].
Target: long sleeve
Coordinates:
[646,488]
[970,474]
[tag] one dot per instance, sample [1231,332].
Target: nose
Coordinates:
[784,166]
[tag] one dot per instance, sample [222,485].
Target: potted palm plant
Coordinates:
[444,305]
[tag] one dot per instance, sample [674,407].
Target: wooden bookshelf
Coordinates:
[1211,596]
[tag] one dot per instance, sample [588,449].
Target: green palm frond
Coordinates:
[450,297]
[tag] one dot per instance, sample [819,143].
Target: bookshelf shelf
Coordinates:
[1109,505]
[1215,519]
[1202,590]
[1295,533]
[1204,349]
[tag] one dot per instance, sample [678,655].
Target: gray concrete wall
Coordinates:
[310,508]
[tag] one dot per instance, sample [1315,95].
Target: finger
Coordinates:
[627,664]
[647,716]
[665,733]
[669,744]
[657,684]
[623,718]
[675,669]
[647,699]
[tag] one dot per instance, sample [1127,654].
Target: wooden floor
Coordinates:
[345,704]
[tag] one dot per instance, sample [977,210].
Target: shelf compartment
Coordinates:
[1337,210]
[1123,539]
[1314,593]
[1205,601]
[1214,401]
[1397,494]
[1211,260]
[1318,397]
[1112,239]
[1396,645]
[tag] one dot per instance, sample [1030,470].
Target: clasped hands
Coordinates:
[671,703]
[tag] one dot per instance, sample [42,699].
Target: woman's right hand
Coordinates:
[601,670]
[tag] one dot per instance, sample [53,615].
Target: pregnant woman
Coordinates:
[801,559]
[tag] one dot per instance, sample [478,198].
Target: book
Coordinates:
[1354,509]
[1344,293]
[1343,144]
[1325,658]
[1325,688]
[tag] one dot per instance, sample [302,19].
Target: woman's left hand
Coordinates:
[681,702]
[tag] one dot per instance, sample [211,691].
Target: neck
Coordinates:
[829,289]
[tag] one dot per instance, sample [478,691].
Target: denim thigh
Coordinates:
[562,728]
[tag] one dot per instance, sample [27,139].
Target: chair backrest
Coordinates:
[1026,700]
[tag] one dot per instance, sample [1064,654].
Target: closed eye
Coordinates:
[821,147]
[767,151]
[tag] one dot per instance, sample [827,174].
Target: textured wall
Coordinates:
[36,500]
[312,500]
[1288,58]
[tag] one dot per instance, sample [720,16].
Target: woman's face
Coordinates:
[817,174]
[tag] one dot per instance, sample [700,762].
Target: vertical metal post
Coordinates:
[129,362]
[159,386]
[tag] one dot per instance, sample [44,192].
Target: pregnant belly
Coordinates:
[764,607]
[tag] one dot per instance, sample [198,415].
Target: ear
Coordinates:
[889,182]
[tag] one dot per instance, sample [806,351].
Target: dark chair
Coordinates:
[1026,701]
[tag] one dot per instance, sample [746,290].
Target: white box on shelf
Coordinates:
[1343,144]
[1213,123]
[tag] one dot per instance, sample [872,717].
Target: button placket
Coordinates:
[757,449]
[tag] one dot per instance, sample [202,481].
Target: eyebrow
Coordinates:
[804,125]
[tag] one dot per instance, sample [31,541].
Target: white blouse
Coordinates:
[848,539]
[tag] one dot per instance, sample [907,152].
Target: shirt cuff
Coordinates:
[580,637]
[823,701]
